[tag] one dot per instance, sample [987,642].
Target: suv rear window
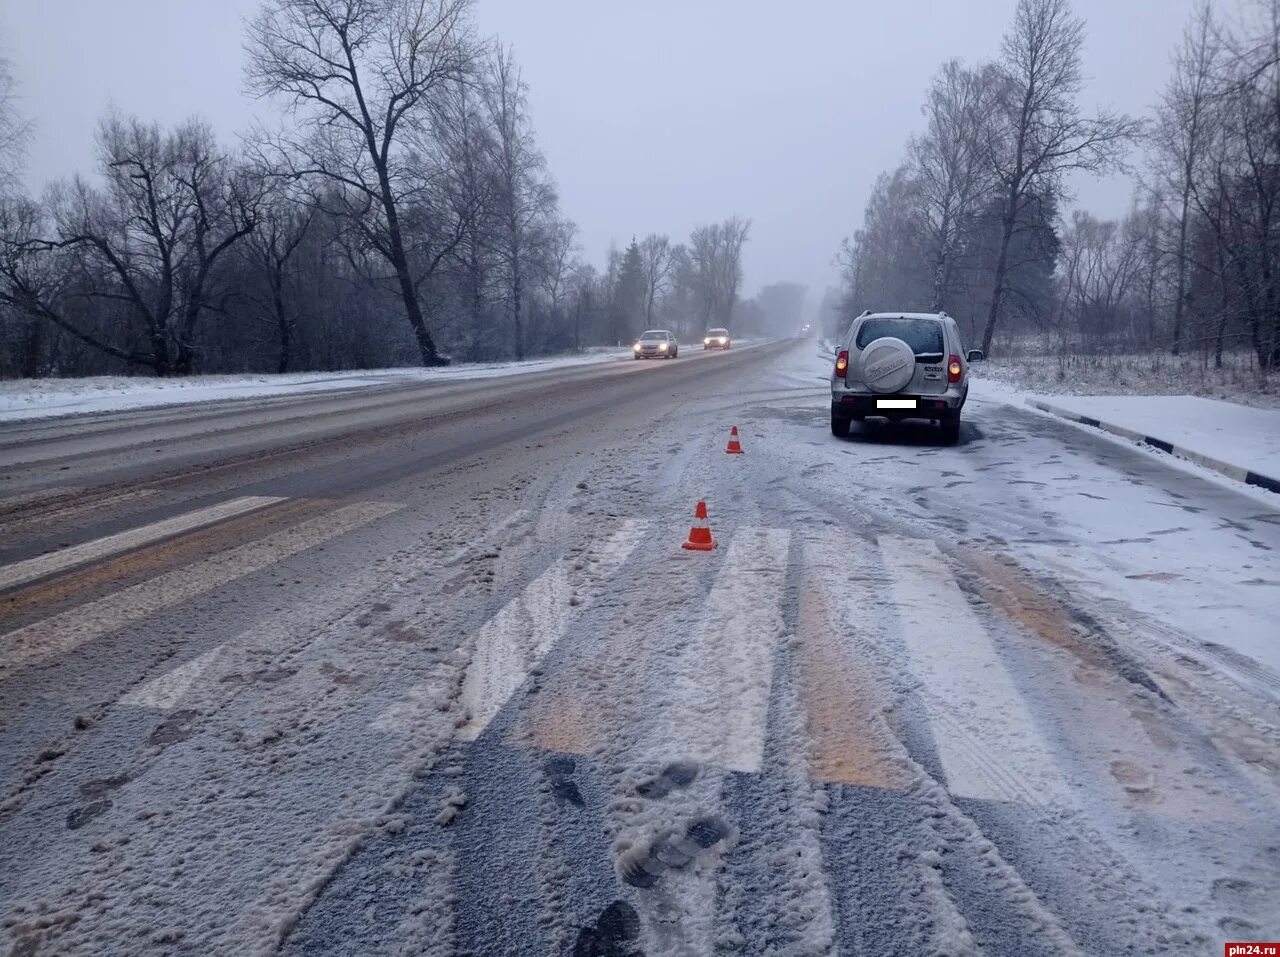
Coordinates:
[924,336]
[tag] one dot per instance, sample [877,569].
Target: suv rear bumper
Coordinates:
[861,404]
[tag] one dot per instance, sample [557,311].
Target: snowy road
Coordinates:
[423,669]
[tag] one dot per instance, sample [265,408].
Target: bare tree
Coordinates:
[468,148]
[949,165]
[704,245]
[716,253]
[359,77]
[284,222]
[1039,134]
[557,268]
[149,245]
[1180,136]
[586,294]
[525,197]
[735,232]
[15,132]
[31,277]
[655,251]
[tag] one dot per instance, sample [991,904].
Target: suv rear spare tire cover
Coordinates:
[888,364]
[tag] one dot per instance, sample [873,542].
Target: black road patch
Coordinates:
[614,935]
[83,815]
[559,771]
[177,727]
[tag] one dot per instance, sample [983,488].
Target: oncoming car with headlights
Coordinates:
[716,339]
[656,344]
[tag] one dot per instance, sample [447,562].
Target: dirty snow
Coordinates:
[780,754]
[23,399]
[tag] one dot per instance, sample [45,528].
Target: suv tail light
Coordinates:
[954,369]
[842,363]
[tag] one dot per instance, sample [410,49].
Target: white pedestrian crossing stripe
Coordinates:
[718,706]
[65,632]
[515,640]
[987,740]
[20,573]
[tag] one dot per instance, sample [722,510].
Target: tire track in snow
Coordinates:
[974,706]
[704,715]
[505,652]
[878,844]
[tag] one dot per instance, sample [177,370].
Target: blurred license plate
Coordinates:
[897,403]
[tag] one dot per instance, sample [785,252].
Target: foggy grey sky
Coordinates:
[654,116]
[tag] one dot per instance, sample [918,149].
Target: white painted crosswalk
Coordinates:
[718,705]
[986,738]
[520,635]
[20,573]
[512,643]
[717,693]
[60,634]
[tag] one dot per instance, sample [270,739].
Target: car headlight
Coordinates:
[662,346]
[636,347]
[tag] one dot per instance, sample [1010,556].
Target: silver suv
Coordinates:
[901,365]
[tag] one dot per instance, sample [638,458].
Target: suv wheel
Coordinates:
[839,426]
[951,429]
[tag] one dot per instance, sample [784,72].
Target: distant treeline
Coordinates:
[400,213]
[971,222]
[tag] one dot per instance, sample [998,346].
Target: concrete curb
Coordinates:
[1269,482]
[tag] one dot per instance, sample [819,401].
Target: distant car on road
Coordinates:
[716,339]
[901,365]
[656,344]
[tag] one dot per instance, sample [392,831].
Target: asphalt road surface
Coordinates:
[425,670]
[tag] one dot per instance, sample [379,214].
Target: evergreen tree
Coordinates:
[628,310]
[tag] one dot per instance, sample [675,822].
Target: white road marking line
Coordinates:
[22,572]
[986,738]
[840,675]
[65,632]
[200,682]
[719,704]
[707,703]
[513,641]
[170,689]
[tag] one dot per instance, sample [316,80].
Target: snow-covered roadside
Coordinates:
[25,399]
[1237,441]
[1154,374]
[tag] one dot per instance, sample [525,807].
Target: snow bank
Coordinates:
[1208,431]
[24,399]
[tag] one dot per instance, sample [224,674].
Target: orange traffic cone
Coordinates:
[734,447]
[700,534]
